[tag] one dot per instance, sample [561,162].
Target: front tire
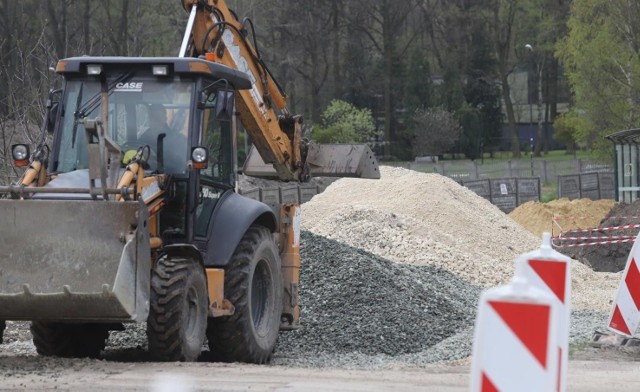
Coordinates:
[178,315]
[69,340]
[253,284]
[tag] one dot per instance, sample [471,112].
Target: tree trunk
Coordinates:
[58,14]
[387,39]
[85,27]
[540,130]
[337,82]
[503,24]
[511,118]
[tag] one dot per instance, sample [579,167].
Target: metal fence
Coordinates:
[594,186]
[506,193]
[548,171]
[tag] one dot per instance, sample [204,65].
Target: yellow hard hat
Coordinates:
[128,156]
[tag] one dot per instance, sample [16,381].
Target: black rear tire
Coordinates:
[178,315]
[253,284]
[69,340]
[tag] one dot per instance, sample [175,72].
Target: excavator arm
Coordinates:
[219,36]
[216,33]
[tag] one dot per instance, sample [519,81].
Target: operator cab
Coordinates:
[152,102]
[175,113]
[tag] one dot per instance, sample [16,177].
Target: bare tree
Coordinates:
[501,18]
[26,87]
[384,23]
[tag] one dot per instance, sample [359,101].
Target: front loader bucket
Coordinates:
[73,260]
[324,160]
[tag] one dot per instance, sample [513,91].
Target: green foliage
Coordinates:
[571,127]
[418,88]
[450,94]
[602,61]
[485,126]
[335,134]
[549,192]
[390,57]
[344,123]
[471,135]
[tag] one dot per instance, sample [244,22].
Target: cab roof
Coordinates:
[176,65]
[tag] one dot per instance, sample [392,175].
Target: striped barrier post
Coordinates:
[515,341]
[564,240]
[550,271]
[599,229]
[625,315]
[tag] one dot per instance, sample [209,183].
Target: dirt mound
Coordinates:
[611,257]
[570,214]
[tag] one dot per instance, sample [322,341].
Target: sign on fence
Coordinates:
[503,193]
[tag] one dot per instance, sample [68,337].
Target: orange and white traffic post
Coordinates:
[515,338]
[550,271]
[625,315]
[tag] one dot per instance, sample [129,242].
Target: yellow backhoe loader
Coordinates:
[131,214]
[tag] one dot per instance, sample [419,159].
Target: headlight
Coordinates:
[200,157]
[94,69]
[160,70]
[20,152]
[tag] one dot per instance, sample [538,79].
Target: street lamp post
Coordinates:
[531,154]
[539,70]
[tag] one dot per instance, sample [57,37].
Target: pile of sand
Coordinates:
[569,214]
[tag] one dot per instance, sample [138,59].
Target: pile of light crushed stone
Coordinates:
[427,219]
[392,270]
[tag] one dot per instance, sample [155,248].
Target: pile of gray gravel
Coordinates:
[359,310]
[354,302]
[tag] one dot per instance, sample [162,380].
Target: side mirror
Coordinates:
[52,109]
[51,118]
[202,101]
[225,101]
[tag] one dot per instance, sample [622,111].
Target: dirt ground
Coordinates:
[603,367]
[613,372]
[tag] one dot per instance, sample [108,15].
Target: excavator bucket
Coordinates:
[324,160]
[74,260]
